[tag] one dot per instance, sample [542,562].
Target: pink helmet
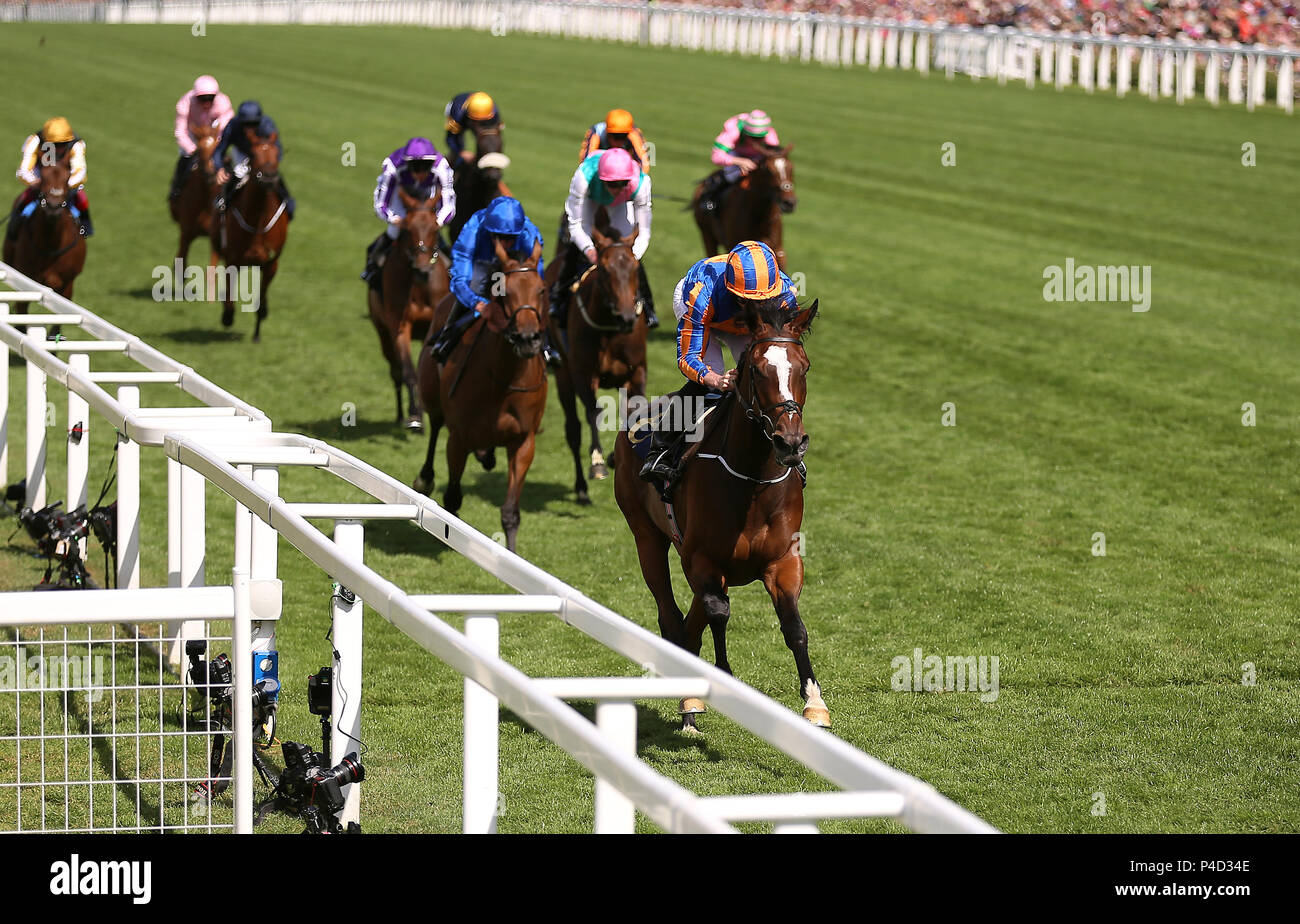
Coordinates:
[617,164]
[206,86]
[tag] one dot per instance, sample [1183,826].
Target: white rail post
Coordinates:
[481,730]
[1285,89]
[923,53]
[1124,72]
[193,550]
[350,537]
[4,405]
[615,813]
[36,437]
[128,497]
[173,523]
[78,445]
[1212,80]
[241,648]
[1087,66]
[1103,68]
[264,549]
[795,827]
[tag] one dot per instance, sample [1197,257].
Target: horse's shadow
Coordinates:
[332,429]
[491,487]
[201,335]
[403,538]
[652,730]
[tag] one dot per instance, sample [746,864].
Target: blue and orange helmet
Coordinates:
[752,271]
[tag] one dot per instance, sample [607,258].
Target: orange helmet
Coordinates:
[619,121]
[480,106]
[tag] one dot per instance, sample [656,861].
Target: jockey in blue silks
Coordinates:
[473,260]
[234,142]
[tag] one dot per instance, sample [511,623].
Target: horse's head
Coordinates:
[206,138]
[617,274]
[54,191]
[263,156]
[780,171]
[772,386]
[517,311]
[420,229]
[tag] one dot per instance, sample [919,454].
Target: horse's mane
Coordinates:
[774,312]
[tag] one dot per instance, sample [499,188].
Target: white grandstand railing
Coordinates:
[1180,69]
[242,460]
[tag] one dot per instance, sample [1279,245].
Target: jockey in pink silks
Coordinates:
[202,105]
[744,141]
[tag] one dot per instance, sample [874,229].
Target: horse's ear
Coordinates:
[785,151]
[273,137]
[407,199]
[802,322]
[600,240]
[503,256]
[536,255]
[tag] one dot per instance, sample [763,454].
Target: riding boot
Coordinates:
[667,445]
[560,288]
[449,336]
[289,204]
[376,254]
[15,223]
[647,299]
[552,356]
[711,192]
[87,229]
[178,178]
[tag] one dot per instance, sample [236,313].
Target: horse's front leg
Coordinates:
[784,582]
[266,274]
[572,432]
[586,387]
[520,458]
[415,410]
[710,607]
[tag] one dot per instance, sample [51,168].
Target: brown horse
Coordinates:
[499,374]
[738,505]
[414,280]
[606,344]
[50,247]
[192,209]
[478,184]
[752,210]
[250,232]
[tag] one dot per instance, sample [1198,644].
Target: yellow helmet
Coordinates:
[57,130]
[619,121]
[480,106]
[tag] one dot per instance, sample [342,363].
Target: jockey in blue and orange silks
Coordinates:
[710,303]
[421,171]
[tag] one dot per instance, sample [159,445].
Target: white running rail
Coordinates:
[237,451]
[1180,69]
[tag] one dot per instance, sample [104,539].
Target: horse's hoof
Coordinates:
[818,715]
[227,317]
[688,726]
[421,486]
[692,706]
[584,499]
[415,424]
[598,472]
[487,458]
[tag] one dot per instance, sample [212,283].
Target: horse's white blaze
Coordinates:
[780,166]
[778,358]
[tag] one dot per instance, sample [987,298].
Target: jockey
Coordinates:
[617,131]
[233,140]
[422,172]
[464,109]
[49,145]
[745,139]
[202,105]
[709,303]
[614,180]
[473,260]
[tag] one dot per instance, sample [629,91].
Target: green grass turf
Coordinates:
[1120,675]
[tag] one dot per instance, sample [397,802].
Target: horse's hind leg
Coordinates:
[457,453]
[424,481]
[266,274]
[415,410]
[784,581]
[572,432]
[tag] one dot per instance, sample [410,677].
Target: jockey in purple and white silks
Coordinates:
[422,172]
[611,179]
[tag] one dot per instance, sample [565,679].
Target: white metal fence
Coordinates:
[232,445]
[1247,74]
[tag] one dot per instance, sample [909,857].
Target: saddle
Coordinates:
[675,426]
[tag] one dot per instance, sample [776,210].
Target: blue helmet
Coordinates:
[249,111]
[504,216]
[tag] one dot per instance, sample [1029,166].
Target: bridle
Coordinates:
[765,417]
[598,286]
[512,329]
[416,249]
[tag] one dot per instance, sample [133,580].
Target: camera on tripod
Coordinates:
[311,791]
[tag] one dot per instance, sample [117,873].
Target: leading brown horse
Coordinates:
[50,247]
[752,209]
[192,209]
[414,280]
[250,232]
[492,389]
[738,505]
[606,343]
